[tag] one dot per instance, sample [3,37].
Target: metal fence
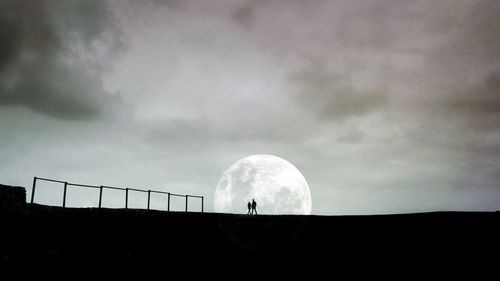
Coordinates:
[126,190]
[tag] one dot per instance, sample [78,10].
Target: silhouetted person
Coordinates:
[254,206]
[249,205]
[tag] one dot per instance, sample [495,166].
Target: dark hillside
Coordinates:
[37,232]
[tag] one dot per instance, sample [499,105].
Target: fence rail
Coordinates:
[101,187]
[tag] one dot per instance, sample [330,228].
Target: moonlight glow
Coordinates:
[277,186]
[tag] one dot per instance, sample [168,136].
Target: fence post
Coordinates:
[126,198]
[149,197]
[100,196]
[168,203]
[202,204]
[64,196]
[187,202]
[33,190]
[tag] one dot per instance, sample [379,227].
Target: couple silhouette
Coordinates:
[252,207]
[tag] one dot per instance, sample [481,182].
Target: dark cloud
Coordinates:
[331,96]
[471,35]
[50,53]
[462,117]
[478,105]
[25,25]
[354,136]
[351,103]
[246,13]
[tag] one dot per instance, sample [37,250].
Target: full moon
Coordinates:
[275,184]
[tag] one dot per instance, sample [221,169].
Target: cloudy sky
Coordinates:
[385,106]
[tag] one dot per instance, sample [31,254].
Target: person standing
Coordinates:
[249,205]
[254,206]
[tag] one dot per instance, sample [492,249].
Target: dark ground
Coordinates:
[35,233]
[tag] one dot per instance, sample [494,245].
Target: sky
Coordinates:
[384,106]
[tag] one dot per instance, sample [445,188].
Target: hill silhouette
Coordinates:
[38,232]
